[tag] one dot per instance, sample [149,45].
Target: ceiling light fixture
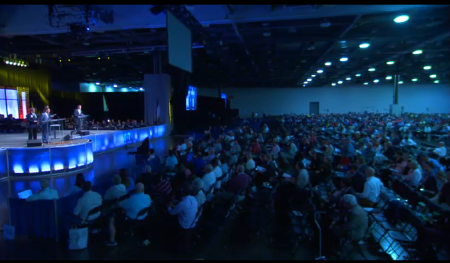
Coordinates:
[401,19]
[340,82]
[358,75]
[366,83]
[376,81]
[313,76]
[306,82]
[320,71]
[97,83]
[115,86]
[427,67]
[309,79]
[436,81]
[389,77]
[327,64]
[333,84]
[344,59]
[433,76]
[400,82]
[364,45]
[371,69]
[348,78]
[414,79]
[390,62]
[417,52]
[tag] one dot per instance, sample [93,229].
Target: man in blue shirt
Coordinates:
[198,163]
[132,206]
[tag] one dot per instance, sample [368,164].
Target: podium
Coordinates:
[82,123]
[56,125]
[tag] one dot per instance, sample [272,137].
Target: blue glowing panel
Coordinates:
[22,185]
[28,161]
[65,158]
[89,153]
[3,164]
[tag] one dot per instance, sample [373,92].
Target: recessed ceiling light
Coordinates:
[427,67]
[348,78]
[364,45]
[400,82]
[306,82]
[115,86]
[371,69]
[433,76]
[401,19]
[340,82]
[320,71]
[309,79]
[333,84]
[366,83]
[358,75]
[389,77]
[414,79]
[376,81]
[390,62]
[344,59]
[436,81]
[313,76]
[327,63]
[417,52]
[97,83]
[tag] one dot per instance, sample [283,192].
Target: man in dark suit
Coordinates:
[77,113]
[45,117]
[32,120]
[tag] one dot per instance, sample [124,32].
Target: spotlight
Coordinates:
[389,77]
[364,45]
[400,82]
[427,67]
[371,69]
[327,64]
[401,19]
[433,76]
[308,79]
[348,78]
[358,75]
[7,62]
[414,79]
[306,82]
[320,71]
[99,58]
[417,52]
[313,76]
[390,62]
[340,82]
[97,83]
[436,81]
[115,86]
[376,81]
[333,84]
[366,83]
[87,29]
[344,59]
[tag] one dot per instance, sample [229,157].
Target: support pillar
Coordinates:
[395,108]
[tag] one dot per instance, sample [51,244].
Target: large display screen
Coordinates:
[179,44]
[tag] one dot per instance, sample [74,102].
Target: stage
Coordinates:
[58,157]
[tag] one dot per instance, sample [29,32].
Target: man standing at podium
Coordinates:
[78,121]
[32,120]
[45,118]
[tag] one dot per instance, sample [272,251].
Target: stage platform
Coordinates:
[58,157]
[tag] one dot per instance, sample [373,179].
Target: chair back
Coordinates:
[142,212]
[93,211]
[197,216]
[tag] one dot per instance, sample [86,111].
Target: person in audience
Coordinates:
[275,150]
[115,191]
[218,146]
[361,162]
[429,181]
[329,150]
[240,182]
[171,161]
[255,148]
[197,192]
[217,171]
[423,157]
[441,151]
[126,180]
[372,188]
[160,187]
[347,152]
[368,153]
[414,176]
[355,226]
[235,148]
[45,193]
[209,178]
[210,156]
[302,178]
[183,146]
[87,202]
[250,164]
[198,163]
[407,142]
[401,162]
[79,181]
[224,166]
[186,211]
[347,187]
[131,206]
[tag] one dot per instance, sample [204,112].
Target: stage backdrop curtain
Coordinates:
[156,98]
[38,80]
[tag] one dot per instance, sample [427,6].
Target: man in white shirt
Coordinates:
[45,193]
[216,170]
[414,175]
[132,206]
[302,178]
[441,150]
[197,192]
[87,202]
[372,188]
[117,190]
[250,164]
[275,149]
[209,178]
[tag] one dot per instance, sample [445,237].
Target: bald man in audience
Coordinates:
[372,188]
[45,193]
[441,150]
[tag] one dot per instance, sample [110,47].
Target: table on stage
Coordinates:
[56,125]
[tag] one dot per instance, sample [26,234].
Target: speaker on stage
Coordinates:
[34,143]
[67,138]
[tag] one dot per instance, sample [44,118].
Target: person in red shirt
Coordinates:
[255,148]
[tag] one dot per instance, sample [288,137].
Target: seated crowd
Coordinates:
[115,125]
[288,166]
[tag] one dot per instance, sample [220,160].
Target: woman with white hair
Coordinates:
[197,192]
